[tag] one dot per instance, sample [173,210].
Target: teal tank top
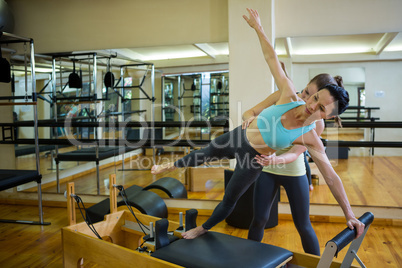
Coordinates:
[272,131]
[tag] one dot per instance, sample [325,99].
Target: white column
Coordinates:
[250,78]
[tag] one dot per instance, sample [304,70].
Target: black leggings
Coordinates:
[233,144]
[297,190]
[308,170]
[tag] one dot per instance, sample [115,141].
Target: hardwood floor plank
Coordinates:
[372,181]
[40,246]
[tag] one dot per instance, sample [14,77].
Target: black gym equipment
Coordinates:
[12,178]
[146,202]
[93,154]
[219,250]
[171,186]
[143,199]
[74,80]
[109,80]
[5,71]
[30,149]
[6,18]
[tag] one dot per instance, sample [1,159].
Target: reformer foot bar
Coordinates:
[121,237]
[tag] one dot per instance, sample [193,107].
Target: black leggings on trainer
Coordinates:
[233,144]
[308,169]
[297,190]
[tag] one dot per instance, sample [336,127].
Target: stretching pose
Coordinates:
[286,167]
[291,121]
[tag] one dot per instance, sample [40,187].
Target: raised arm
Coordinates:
[317,152]
[270,56]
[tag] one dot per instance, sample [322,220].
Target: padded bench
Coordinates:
[89,155]
[10,178]
[30,149]
[217,250]
[146,202]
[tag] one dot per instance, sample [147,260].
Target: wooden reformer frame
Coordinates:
[121,239]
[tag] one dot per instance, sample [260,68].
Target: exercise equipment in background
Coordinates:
[145,200]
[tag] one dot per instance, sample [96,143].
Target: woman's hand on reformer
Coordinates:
[247,122]
[355,223]
[266,160]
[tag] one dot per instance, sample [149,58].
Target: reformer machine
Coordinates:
[59,98]
[121,88]
[99,153]
[12,178]
[120,241]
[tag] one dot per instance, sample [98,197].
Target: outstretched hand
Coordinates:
[254,20]
[355,223]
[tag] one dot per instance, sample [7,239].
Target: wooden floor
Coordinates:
[40,246]
[371,181]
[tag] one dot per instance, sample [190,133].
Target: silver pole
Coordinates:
[94,71]
[153,111]
[123,136]
[17,37]
[33,78]
[40,203]
[96,118]
[54,78]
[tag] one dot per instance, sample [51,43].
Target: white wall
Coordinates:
[76,25]
[380,76]
[250,79]
[336,17]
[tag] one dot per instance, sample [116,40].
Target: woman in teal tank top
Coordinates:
[287,168]
[245,144]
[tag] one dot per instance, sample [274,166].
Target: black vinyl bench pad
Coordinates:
[30,149]
[11,178]
[216,250]
[89,154]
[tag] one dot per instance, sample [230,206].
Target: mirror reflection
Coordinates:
[133,94]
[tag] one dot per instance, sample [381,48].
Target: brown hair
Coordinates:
[324,79]
[321,80]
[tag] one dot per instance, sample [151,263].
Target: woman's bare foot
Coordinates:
[194,233]
[156,169]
